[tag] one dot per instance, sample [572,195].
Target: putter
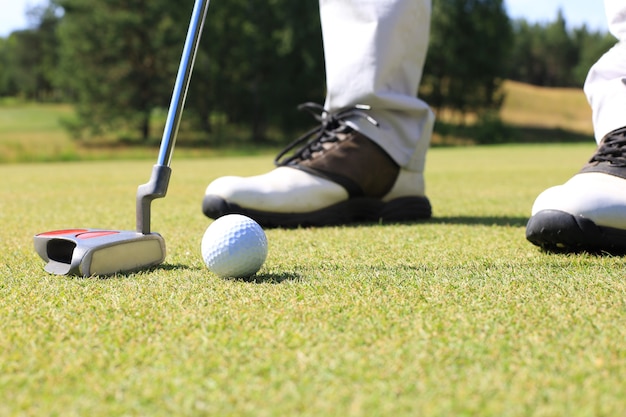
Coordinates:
[87,252]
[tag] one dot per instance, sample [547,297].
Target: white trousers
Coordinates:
[605,85]
[374,53]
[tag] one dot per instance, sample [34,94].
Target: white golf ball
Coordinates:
[234,246]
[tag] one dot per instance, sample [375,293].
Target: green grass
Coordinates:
[31,131]
[529,114]
[549,108]
[458,316]
[35,132]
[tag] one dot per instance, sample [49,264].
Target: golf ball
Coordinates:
[234,246]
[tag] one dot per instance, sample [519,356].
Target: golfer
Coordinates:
[365,161]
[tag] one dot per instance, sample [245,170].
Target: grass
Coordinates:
[548,108]
[457,316]
[529,115]
[34,131]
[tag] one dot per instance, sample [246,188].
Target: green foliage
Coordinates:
[469,45]
[592,45]
[118,59]
[490,129]
[553,55]
[8,86]
[28,58]
[258,60]
[560,55]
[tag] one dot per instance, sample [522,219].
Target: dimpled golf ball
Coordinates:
[234,246]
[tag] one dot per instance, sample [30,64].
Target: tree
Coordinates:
[591,46]
[258,60]
[527,63]
[553,55]
[29,57]
[119,60]
[466,61]
[8,85]
[560,53]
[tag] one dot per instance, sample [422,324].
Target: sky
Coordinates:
[576,12]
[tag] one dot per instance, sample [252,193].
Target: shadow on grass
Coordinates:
[270,278]
[606,252]
[175,267]
[505,221]
[161,267]
[267,278]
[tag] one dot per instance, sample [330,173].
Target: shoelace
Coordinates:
[612,149]
[331,124]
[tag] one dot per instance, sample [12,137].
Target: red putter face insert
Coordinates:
[63,232]
[93,235]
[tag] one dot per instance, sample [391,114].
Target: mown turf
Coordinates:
[455,316]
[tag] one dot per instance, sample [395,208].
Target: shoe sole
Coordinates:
[356,210]
[558,231]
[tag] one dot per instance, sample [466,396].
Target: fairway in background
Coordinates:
[34,132]
[30,131]
[548,108]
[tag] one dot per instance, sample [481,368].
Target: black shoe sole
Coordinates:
[558,231]
[356,210]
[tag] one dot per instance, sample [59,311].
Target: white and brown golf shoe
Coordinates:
[332,175]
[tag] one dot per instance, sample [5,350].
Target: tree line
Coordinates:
[116,60]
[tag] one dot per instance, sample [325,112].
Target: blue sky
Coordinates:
[577,12]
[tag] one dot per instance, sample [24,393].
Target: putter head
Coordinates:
[86,252]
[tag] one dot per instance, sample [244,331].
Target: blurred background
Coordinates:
[89,78]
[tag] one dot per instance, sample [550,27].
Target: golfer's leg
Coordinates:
[589,211]
[604,87]
[359,168]
[375,53]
